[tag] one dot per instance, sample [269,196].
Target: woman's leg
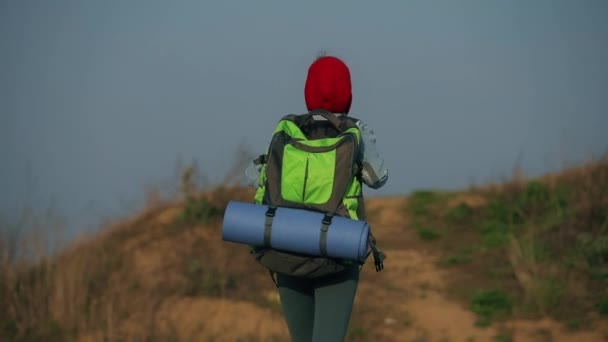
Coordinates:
[334,297]
[297,302]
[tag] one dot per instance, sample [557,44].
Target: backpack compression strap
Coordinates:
[268,225]
[325,223]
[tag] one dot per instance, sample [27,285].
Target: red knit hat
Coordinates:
[328,86]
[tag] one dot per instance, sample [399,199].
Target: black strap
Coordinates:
[268,225]
[378,255]
[324,228]
[273,276]
[262,159]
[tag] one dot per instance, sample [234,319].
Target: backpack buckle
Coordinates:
[262,159]
[326,222]
[271,211]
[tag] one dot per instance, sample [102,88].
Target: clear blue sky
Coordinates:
[99,99]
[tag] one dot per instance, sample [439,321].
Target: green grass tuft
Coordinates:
[503,337]
[460,213]
[602,306]
[547,293]
[201,281]
[494,234]
[499,209]
[488,304]
[199,210]
[428,234]
[357,332]
[495,239]
[463,256]
[574,324]
[594,249]
[420,202]
[456,259]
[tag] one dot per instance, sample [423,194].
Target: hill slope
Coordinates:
[523,261]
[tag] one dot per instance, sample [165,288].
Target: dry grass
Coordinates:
[543,241]
[125,282]
[133,280]
[165,275]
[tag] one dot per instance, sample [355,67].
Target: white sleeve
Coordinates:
[375,172]
[252,174]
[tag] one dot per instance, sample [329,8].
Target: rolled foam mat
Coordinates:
[295,230]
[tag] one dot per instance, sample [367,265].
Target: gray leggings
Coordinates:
[318,309]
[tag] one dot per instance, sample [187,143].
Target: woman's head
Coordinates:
[328,85]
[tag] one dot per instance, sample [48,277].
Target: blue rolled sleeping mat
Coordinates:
[295,230]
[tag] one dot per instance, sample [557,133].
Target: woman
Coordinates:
[320,309]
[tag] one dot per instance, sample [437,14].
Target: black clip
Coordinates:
[262,159]
[271,211]
[326,222]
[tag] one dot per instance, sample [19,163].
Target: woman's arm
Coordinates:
[252,174]
[375,172]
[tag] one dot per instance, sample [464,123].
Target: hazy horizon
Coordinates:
[99,100]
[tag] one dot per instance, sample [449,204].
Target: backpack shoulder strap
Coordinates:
[333,119]
[350,122]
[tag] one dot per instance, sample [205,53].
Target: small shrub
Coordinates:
[536,250]
[503,337]
[357,332]
[536,195]
[493,226]
[199,210]
[456,259]
[215,283]
[598,215]
[600,274]
[495,239]
[594,249]
[541,250]
[460,213]
[501,210]
[551,220]
[207,282]
[602,306]
[562,197]
[428,234]
[495,234]
[462,257]
[499,271]
[488,304]
[574,324]
[420,201]
[8,329]
[483,322]
[547,293]
[54,331]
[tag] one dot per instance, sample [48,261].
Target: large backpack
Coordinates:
[313,163]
